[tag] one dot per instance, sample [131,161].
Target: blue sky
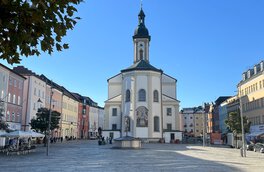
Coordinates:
[206,45]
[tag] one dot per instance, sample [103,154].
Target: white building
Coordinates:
[188,120]
[142,100]
[34,93]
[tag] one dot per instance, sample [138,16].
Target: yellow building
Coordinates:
[69,116]
[198,123]
[251,92]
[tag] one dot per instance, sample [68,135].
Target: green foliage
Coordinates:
[234,123]
[3,125]
[29,25]
[41,121]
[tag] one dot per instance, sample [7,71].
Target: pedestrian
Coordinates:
[61,139]
[107,139]
[110,140]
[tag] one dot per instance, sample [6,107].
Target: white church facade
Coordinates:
[142,100]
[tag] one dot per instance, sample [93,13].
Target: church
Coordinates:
[142,99]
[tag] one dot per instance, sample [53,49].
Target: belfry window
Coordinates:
[141,54]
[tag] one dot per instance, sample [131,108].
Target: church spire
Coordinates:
[141,39]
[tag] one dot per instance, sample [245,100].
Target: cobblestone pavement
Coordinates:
[88,156]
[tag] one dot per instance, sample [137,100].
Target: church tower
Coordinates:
[141,39]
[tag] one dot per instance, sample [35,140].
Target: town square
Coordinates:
[88,156]
[131,85]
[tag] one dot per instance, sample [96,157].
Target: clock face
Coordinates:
[141,44]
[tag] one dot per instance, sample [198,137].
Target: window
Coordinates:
[2,94]
[156,124]
[141,54]
[19,117]
[34,107]
[114,127]
[142,95]
[168,111]
[114,112]
[7,116]
[10,81]
[13,116]
[169,127]
[14,99]
[20,85]
[9,97]
[39,93]
[191,117]
[197,131]
[156,96]
[127,95]
[15,83]
[18,100]
[35,91]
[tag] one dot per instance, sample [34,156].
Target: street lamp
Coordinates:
[48,138]
[204,127]
[243,153]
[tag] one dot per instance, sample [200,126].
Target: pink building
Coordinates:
[14,99]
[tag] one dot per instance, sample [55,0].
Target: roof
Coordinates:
[221,99]
[142,65]
[89,101]
[141,31]
[15,72]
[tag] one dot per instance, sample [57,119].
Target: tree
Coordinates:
[29,25]
[40,123]
[3,125]
[233,123]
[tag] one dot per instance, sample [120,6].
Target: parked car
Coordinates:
[250,146]
[259,147]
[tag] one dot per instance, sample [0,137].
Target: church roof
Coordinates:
[142,65]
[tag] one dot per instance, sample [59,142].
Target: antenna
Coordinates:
[141,4]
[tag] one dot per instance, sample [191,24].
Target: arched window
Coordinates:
[127,95]
[156,124]
[141,54]
[142,95]
[156,96]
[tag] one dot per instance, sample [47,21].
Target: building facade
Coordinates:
[69,115]
[188,121]
[142,100]
[83,116]
[11,88]
[34,93]
[193,121]
[4,78]
[251,94]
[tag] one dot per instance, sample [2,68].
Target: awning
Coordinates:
[254,134]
